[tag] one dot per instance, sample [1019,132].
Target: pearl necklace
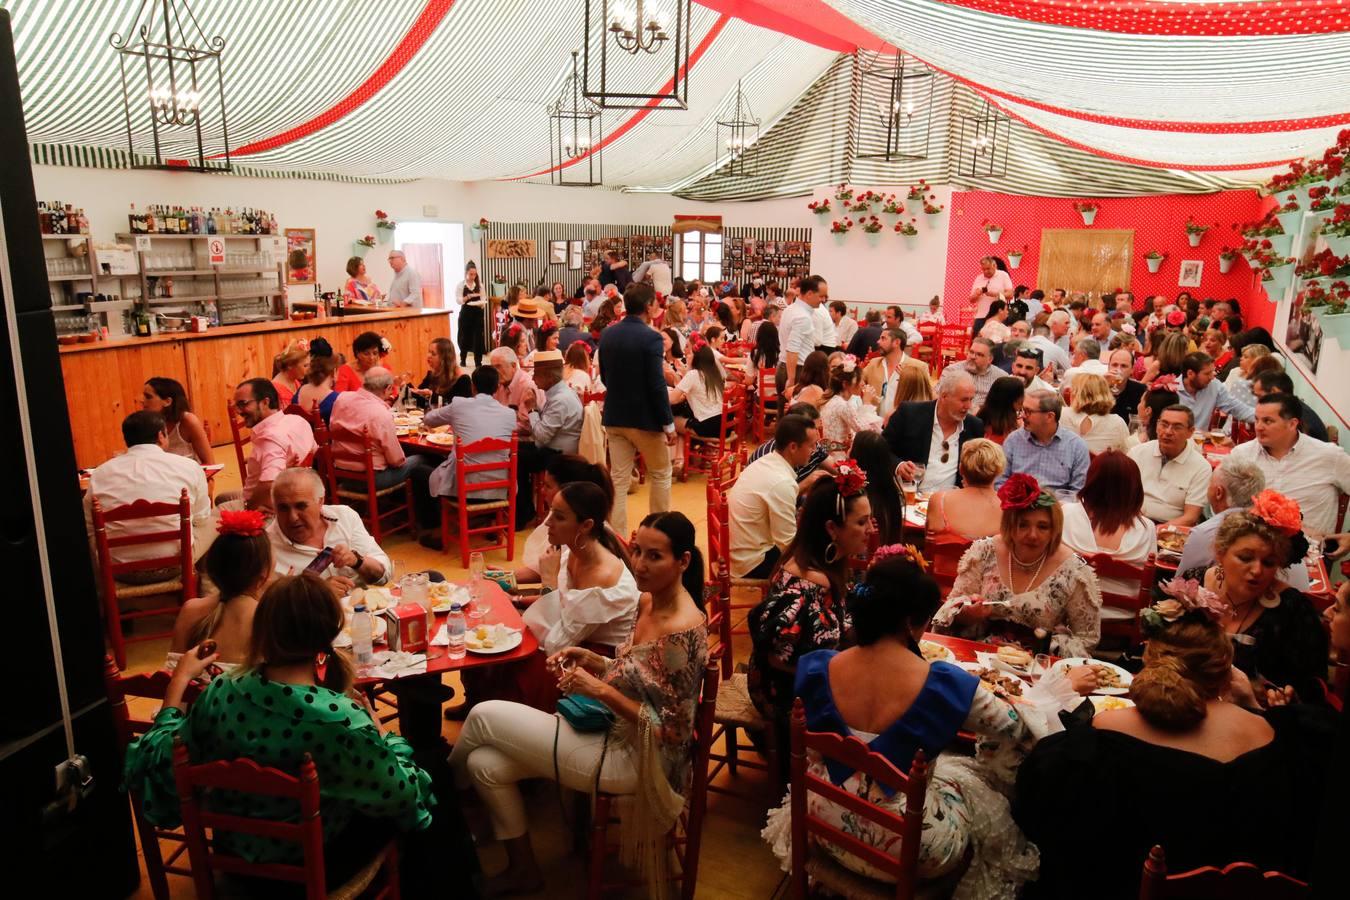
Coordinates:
[1037,574]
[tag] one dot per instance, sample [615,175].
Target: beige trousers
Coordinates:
[624,445]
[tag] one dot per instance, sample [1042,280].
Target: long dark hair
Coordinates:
[815,370]
[589,501]
[298,618]
[999,414]
[766,346]
[171,390]
[705,362]
[680,531]
[236,562]
[812,541]
[871,451]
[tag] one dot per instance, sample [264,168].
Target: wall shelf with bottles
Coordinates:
[175,270]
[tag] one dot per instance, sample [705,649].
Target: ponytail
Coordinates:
[692,579]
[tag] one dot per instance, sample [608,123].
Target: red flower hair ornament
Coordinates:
[1021,491]
[1166,383]
[849,478]
[1278,511]
[244,522]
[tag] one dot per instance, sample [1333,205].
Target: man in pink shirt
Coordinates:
[358,413]
[279,441]
[515,381]
[991,284]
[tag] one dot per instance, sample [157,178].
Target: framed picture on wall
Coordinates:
[576,254]
[300,256]
[1191,270]
[557,253]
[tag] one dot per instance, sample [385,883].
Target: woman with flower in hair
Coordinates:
[1024,584]
[1277,637]
[239,564]
[545,338]
[848,407]
[516,338]
[883,692]
[812,379]
[1194,757]
[804,609]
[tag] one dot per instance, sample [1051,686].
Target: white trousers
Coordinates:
[624,446]
[503,743]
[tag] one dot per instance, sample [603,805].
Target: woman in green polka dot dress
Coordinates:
[274,710]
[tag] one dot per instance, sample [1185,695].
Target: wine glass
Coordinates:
[1039,666]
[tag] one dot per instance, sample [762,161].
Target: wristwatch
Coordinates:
[359,561]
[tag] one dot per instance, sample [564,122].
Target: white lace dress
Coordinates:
[1068,604]
[841,419]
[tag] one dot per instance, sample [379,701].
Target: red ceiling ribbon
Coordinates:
[425,25]
[1167,17]
[694,56]
[811,21]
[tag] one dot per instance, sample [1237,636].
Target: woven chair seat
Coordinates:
[757,583]
[361,495]
[235,887]
[357,884]
[484,505]
[172,586]
[838,881]
[734,706]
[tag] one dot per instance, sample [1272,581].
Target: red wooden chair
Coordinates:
[927,352]
[502,513]
[154,840]
[184,585]
[809,864]
[723,474]
[952,344]
[322,459]
[700,452]
[719,554]
[353,478]
[686,837]
[734,710]
[240,433]
[943,552]
[1125,624]
[1237,881]
[247,777]
[767,402]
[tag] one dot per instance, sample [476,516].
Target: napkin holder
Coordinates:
[407,627]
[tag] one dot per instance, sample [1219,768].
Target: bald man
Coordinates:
[406,288]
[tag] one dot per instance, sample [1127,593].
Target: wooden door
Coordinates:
[426,262]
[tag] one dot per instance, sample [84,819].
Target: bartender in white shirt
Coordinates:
[991,284]
[406,288]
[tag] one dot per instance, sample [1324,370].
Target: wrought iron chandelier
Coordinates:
[575,131]
[894,115]
[177,60]
[618,77]
[982,143]
[737,135]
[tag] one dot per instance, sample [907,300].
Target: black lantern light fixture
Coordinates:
[181,71]
[982,143]
[575,132]
[894,113]
[737,133]
[622,37]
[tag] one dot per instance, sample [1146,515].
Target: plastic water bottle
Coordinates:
[361,636]
[454,630]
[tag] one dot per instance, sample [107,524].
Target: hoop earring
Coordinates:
[832,553]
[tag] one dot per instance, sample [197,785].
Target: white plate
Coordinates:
[440,439]
[933,651]
[1105,704]
[1073,661]
[505,640]
[441,604]
[378,631]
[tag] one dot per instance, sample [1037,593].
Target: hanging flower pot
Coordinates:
[1088,210]
[1303,190]
[1195,237]
[1339,243]
[1290,221]
[992,230]
[1014,260]
[1226,264]
[360,247]
[1276,280]
[1335,324]
[1282,243]
[1154,260]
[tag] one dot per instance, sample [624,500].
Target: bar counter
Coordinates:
[104,379]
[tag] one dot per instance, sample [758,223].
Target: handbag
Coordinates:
[585,714]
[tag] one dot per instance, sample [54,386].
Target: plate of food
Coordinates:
[933,651]
[996,682]
[443,593]
[1172,539]
[406,421]
[1111,679]
[492,639]
[441,439]
[379,628]
[375,598]
[1106,704]
[1012,658]
[405,430]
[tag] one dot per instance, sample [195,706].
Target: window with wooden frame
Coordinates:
[1081,260]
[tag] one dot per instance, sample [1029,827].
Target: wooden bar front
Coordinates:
[104,380]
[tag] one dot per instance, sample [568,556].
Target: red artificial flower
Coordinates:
[1278,511]
[849,478]
[1166,383]
[245,522]
[1020,491]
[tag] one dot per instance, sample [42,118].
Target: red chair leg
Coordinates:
[463,534]
[412,510]
[599,827]
[373,508]
[445,525]
[154,859]
[114,626]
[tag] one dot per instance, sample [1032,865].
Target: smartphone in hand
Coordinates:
[321,561]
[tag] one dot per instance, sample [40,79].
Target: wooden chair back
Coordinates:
[240,433]
[808,829]
[1107,566]
[122,519]
[723,474]
[593,397]
[358,469]
[943,552]
[498,474]
[766,401]
[1236,881]
[719,546]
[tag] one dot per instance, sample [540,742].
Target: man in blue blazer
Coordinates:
[637,415]
[931,434]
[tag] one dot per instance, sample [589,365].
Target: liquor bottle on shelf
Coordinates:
[83,221]
[272,224]
[211,221]
[44,219]
[72,220]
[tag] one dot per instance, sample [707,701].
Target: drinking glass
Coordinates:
[919,472]
[477,566]
[1040,666]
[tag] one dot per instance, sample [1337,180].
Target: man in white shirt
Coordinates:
[845,327]
[1231,489]
[1101,330]
[1307,470]
[1051,353]
[827,337]
[146,472]
[406,288]
[1086,360]
[1060,325]
[304,527]
[1027,366]
[656,270]
[1175,474]
[797,330]
[762,504]
[991,284]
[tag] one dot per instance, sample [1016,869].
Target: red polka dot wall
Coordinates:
[1158,222]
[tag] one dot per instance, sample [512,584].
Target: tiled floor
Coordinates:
[735,865]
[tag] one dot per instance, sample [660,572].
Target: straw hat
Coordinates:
[527,308]
[547,357]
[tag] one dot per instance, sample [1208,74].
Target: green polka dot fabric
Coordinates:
[275,724]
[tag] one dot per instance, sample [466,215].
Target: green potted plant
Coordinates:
[993,230]
[1088,210]
[1195,232]
[1154,259]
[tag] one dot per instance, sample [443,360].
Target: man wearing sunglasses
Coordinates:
[929,435]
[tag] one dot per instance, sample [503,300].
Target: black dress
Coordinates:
[472,330]
[1286,645]
[1095,802]
[462,387]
